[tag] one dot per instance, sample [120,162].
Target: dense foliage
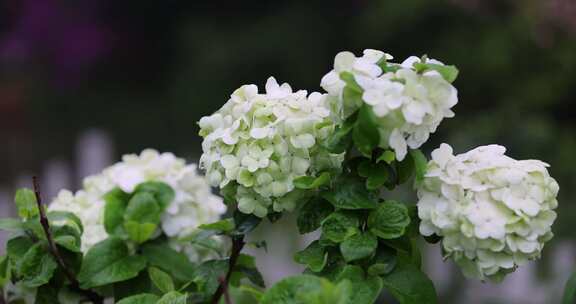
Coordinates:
[333,158]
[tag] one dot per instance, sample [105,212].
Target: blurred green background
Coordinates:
[145,72]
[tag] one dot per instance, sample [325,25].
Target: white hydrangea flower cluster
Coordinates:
[193,205]
[258,143]
[493,212]
[409,105]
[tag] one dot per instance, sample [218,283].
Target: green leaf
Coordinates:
[339,226]
[246,260]
[137,285]
[161,279]
[409,285]
[339,141]
[139,232]
[228,193]
[352,93]
[252,274]
[383,262]
[34,228]
[46,294]
[67,295]
[334,266]
[255,293]
[448,72]
[163,193]
[246,267]
[364,289]
[413,256]
[5,272]
[389,221]
[377,174]
[413,230]
[10,224]
[167,259]
[330,293]
[67,236]
[314,256]
[352,99]
[402,244]
[365,168]
[142,216]
[204,239]
[207,275]
[351,194]
[145,298]
[387,156]
[405,169]
[108,262]
[382,63]
[358,246]
[65,218]
[290,290]
[69,242]
[379,269]
[326,242]
[245,222]
[26,203]
[37,266]
[173,297]
[365,134]
[143,208]
[72,259]
[17,247]
[386,68]
[222,226]
[570,290]
[310,182]
[116,202]
[350,81]
[420,164]
[312,214]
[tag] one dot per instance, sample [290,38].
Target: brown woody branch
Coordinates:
[237,245]
[75,285]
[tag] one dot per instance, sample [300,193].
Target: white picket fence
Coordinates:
[95,150]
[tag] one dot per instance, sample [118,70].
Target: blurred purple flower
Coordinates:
[64,35]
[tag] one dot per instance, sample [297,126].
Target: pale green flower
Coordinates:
[251,202]
[493,212]
[193,205]
[259,143]
[408,102]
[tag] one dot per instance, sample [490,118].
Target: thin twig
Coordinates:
[227,298]
[94,297]
[237,245]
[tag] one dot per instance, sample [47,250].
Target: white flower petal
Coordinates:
[259,133]
[502,216]
[194,203]
[256,144]
[398,143]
